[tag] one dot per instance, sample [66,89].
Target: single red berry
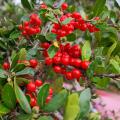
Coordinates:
[45,53]
[48,99]
[45,45]
[38,83]
[26,23]
[76,15]
[63,71]
[57,69]
[68,75]
[43,6]
[72,61]
[97,18]
[24,33]
[76,73]
[33,63]
[31,87]
[65,60]
[85,64]
[20,27]
[6,65]
[50,91]
[77,62]
[33,102]
[64,6]
[57,60]
[48,61]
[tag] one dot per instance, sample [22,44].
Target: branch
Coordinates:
[108,75]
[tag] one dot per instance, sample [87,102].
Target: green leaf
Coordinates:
[14,35]
[56,102]
[26,71]
[66,21]
[3,110]
[50,36]
[24,117]
[19,67]
[22,54]
[72,107]
[45,118]
[98,7]
[14,61]
[118,2]
[42,95]
[26,4]
[86,51]
[49,2]
[2,74]
[52,51]
[101,83]
[8,96]
[21,80]
[115,64]
[71,37]
[85,98]
[22,99]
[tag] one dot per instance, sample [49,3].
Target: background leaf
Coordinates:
[3,110]
[26,4]
[45,118]
[52,50]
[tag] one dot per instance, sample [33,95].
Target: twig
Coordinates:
[109,75]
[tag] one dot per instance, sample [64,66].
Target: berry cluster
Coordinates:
[32,88]
[77,22]
[32,26]
[67,61]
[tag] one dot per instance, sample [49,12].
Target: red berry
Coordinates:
[33,63]
[20,27]
[33,102]
[38,83]
[31,87]
[50,91]
[6,65]
[76,15]
[68,75]
[45,53]
[64,6]
[57,60]
[45,45]
[43,6]
[65,60]
[48,61]
[24,33]
[77,62]
[76,73]
[63,71]
[85,64]
[72,61]
[26,23]
[48,99]
[57,69]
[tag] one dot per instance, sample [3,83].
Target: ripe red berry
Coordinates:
[48,61]
[48,99]
[6,65]
[57,69]
[50,91]
[57,60]
[38,83]
[43,6]
[77,62]
[64,6]
[76,73]
[45,45]
[33,102]
[76,15]
[20,27]
[85,64]
[68,75]
[31,87]
[65,60]
[33,63]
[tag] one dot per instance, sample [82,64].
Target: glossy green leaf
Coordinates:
[57,101]
[3,110]
[22,100]
[72,107]
[21,80]
[52,51]
[22,54]
[19,67]
[50,36]
[26,71]
[86,51]
[98,7]
[42,95]
[71,37]
[66,21]
[8,96]
[15,61]
[14,35]
[45,118]
[85,98]
[49,2]
[26,4]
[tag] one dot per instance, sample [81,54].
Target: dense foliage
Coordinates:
[55,55]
